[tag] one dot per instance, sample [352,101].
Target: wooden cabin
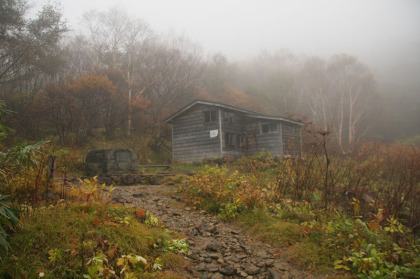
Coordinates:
[203,130]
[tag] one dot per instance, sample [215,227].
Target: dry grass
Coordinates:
[61,240]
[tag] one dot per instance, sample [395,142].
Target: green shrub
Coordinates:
[372,198]
[70,240]
[8,221]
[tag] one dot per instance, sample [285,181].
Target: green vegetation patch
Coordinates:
[311,256]
[353,218]
[269,229]
[90,241]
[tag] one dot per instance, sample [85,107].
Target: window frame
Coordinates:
[270,130]
[207,114]
[228,116]
[229,139]
[233,140]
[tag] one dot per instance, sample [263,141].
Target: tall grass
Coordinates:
[86,237]
[370,196]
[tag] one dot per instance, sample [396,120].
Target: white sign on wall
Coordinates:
[214,133]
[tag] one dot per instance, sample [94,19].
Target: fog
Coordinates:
[384,34]
[351,68]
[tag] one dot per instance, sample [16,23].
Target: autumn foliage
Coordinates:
[365,221]
[72,111]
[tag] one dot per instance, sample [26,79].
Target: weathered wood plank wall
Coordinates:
[191,136]
[269,142]
[291,139]
[192,142]
[237,127]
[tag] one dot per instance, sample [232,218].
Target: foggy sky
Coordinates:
[384,34]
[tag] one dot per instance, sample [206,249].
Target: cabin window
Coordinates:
[234,140]
[231,140]
[209,116]
[269,128]
[228,116]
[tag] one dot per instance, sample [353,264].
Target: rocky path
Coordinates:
[217,249]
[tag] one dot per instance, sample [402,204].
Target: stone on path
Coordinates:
[214,246]
[228,270]
[217,250]
[252,270]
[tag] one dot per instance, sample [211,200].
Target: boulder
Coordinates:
[109,161]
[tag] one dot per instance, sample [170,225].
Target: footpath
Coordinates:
[217,249]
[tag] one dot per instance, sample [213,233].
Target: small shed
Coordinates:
[205,129]
[111,161]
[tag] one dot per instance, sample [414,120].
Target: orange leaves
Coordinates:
[92,95]
[74,252]
[111,252]
[373,225]
[108,220]
[110,223]
[380,216]
[141,214]
[139,102]
[90,83]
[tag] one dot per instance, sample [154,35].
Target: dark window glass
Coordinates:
[269,128]
[209,116]
[228,116]
[234,140]
[265,128]
[228,139]
[206,117]
[231,139]
[213,116]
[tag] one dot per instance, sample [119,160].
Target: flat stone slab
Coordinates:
[111,161]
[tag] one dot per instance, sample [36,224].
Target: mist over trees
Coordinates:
[118,77]
[337,95]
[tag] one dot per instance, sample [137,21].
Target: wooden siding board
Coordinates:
[237,127]
[291,139]
[191,136]
[284,142]
[270,143]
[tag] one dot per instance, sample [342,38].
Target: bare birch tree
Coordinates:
[314,83]
[353,89]
[118,42]
[339,94]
